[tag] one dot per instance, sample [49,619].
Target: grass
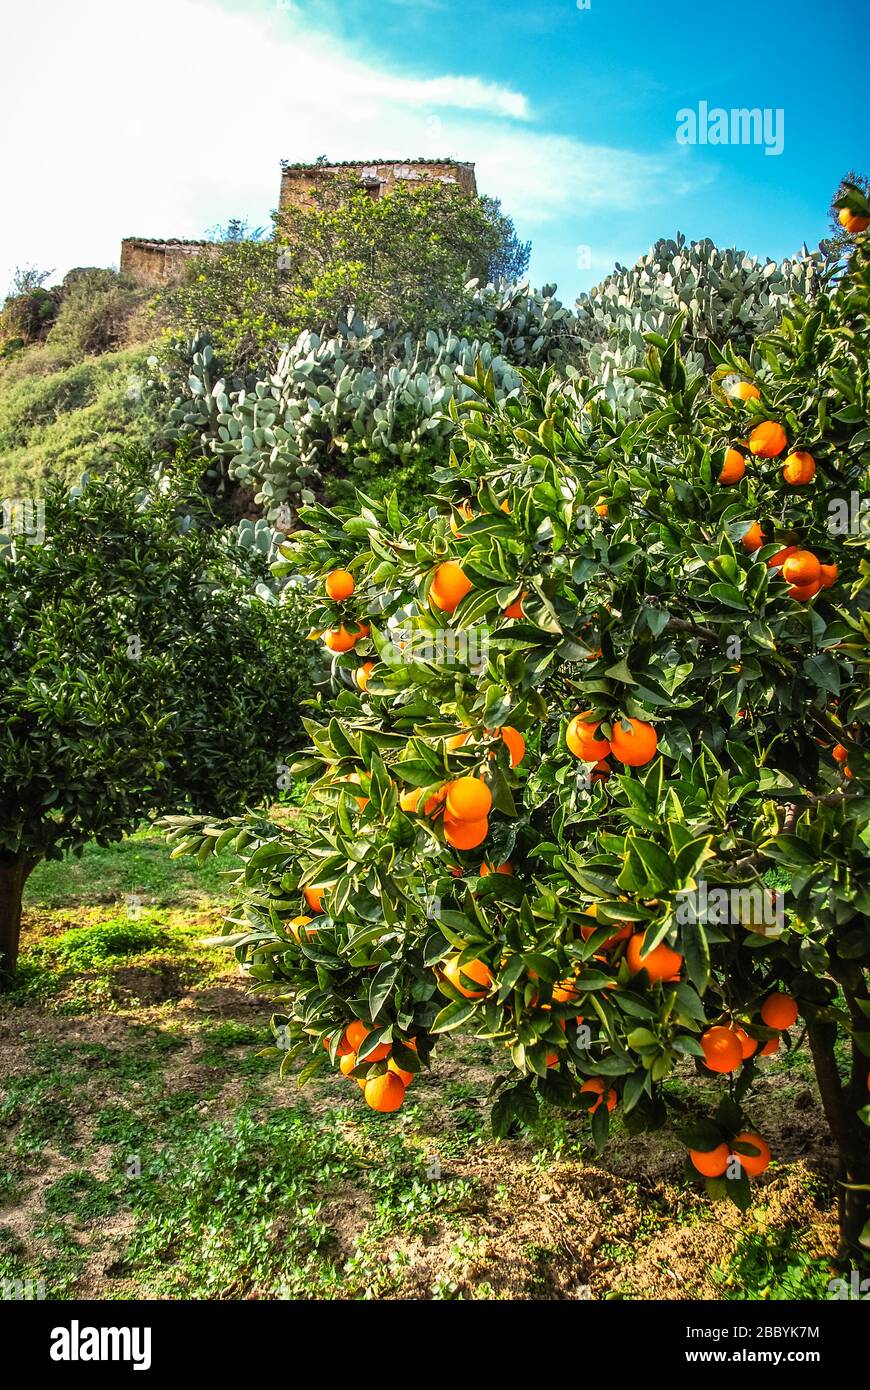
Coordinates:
[148,1150]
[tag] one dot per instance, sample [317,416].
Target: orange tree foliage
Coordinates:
[640,589]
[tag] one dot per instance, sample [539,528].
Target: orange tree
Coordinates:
[624,664]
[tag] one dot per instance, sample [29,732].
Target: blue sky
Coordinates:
[164,120]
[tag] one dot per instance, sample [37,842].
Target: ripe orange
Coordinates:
[732,469]
[296,928]
[344,1048]
[596,1086]
[776,560]
[464,510]
[515,609]
[384,1093]
[499,869]
[799,468]
[753,538]
[829,575]
[476,970]
[779,1011]
[770,1047]
[339,584]
[711,1162]
[804,592]
[581,738]
[362,674]
[409,799]
[339,639]
[564,991]
[748,1045]
[602,508]
[449,586]
[468,799]
[457,740]
[636,745]
[853,221]
[552,1059]
[801,568]
[433,802]
[752,1164]
[609,942]
[661,963]
[406,1077]
[314,898]
[347,1063]
[744,391]
[840,753]
[722,1049]
[356,1034]
[465,834]
[767,440]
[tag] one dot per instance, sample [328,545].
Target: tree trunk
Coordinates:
[15,870]
[841,1102]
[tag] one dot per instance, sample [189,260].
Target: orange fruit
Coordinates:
[499,869]
[748,1045]
[853,221]
[840,753]
[770,1047]
[465,834]
[752,1164]
[711,1162]
[314,898]
[732,469]
[596,1086]
[296,925]
[457,740]
[799,468]
[779,1011]
[344,1048]
[362,674]
[752,539]
[722,1049]
[552,1059]
[409,799]
[802,593]
[767,440]
[622,935]
[602,508]
[347,1063]
[339,584]
[468,798]
[406,1077]
[515,609]
[776,560]
[384,1093]
[847,772]
[635,745]
[449,586]
[514,742]
[829,575]
[564,991]
[433,802]
[464,510]
[662,963]
[476,970]
[744,391]
[356,1034]
[581,739]
[339,639]
[801,568]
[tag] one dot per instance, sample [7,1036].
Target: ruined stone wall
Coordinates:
[160,263]
[299,181]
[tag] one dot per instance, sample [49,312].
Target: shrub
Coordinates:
[95,312]
[593,668]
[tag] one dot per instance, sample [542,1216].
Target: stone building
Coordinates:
[378,177]
[160,261]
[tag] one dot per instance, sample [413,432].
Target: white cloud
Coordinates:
[166,119]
